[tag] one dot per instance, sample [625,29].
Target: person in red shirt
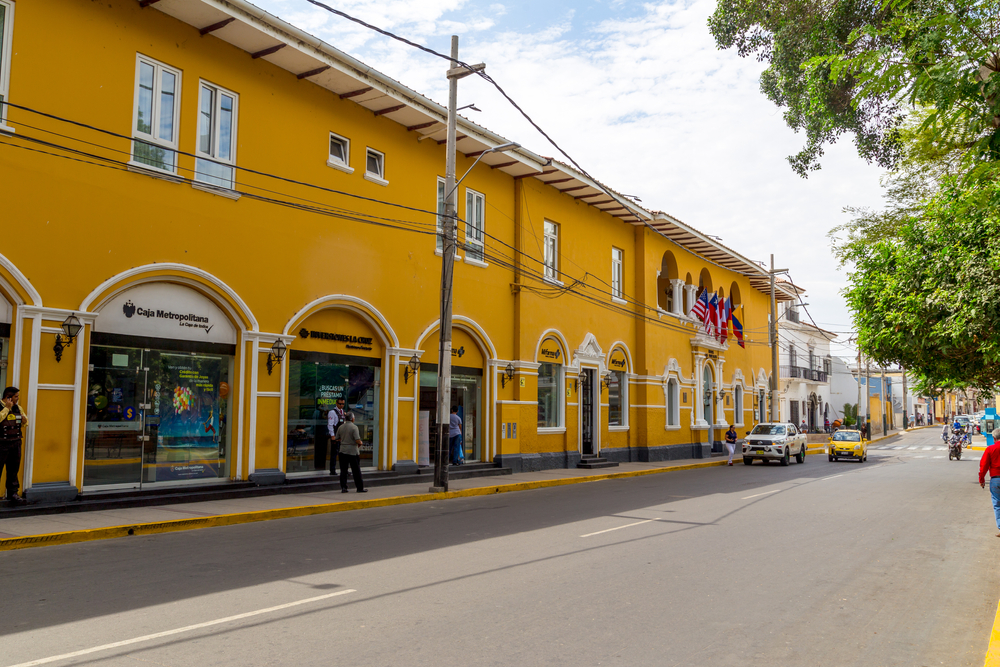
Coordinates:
[991,462]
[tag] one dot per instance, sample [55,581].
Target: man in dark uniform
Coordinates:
[13,420]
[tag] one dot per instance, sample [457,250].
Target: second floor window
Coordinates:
[616,273]
[216,136]
[475,225]
[791,356]
[157,104]
[6,31]
[551,250]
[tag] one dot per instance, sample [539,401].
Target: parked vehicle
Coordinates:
[847,445]
[775,442]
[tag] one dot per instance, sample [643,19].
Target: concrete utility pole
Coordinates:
[906,412]
[881,400]
[858,410]
[868,395]
[774,346]
[449,227]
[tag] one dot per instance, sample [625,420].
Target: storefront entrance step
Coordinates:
[596,462]
[106,500]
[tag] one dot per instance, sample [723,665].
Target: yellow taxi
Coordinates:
[847,444]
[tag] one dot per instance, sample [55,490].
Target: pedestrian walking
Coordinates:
[731,442]
[350,454]
[804,428]
[13,419]
[991,462]
[455,447]
[826,424]
[334,419]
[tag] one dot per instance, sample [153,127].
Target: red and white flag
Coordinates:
[700,309]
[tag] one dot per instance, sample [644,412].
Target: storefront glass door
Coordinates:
[466,393]
[156,416]
[315,383]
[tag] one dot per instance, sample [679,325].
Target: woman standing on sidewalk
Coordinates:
[731,442]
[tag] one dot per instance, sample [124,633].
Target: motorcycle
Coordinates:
[955,447]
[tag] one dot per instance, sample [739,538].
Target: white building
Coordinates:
[804,369]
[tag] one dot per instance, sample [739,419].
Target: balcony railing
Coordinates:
[808,374]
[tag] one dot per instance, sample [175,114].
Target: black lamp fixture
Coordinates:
[276,354]
[508,374]
[412,366]
[609,377]
[71,326]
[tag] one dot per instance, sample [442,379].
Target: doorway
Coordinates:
[156,416]
[587,411]
[466,393]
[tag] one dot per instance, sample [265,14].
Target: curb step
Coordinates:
[234,490]
[590,462]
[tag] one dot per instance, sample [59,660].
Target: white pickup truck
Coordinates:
[774,442]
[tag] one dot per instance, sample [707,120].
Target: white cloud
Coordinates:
[646,104]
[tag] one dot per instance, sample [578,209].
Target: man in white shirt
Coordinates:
[334,419]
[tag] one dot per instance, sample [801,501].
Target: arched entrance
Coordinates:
[469,359]
[339,354]
[159,387]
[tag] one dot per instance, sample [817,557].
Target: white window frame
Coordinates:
[623,391]
[230,161]
[7,36]
[335,162]
[373,177]
[550,248]
[470,196]
[154,122]
[617,260]
[738,405]
[438,238]
[673,420]
[560,393]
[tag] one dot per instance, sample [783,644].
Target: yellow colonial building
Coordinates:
[242,220]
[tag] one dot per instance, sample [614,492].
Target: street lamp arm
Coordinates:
[496,149]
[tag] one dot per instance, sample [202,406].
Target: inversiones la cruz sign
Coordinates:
[352,342]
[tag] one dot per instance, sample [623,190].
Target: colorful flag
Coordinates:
[700,309]
[737,330]
[725,312]
[712,321]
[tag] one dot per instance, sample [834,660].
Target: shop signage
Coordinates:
[550,352]
[618,361]
[353,342]
[166,310]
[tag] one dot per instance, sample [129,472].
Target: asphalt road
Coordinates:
[889,562]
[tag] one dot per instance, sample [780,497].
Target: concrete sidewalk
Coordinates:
[41,530]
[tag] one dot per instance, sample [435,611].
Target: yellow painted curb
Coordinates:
[993,652]
[74,536]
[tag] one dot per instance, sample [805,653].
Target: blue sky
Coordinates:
[638,93]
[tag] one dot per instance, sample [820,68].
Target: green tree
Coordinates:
[850,414]
[858,67]
[928,295]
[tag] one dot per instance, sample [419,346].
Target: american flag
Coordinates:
[700,309]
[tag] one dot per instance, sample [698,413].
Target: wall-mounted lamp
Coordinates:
[276,354]
[608,379]
[412,366]
[508,374]
[71,327]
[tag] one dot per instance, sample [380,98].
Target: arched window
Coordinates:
[551,376]
[673,403]
[705,281]
[707,396]
[666,298]
[738,405]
